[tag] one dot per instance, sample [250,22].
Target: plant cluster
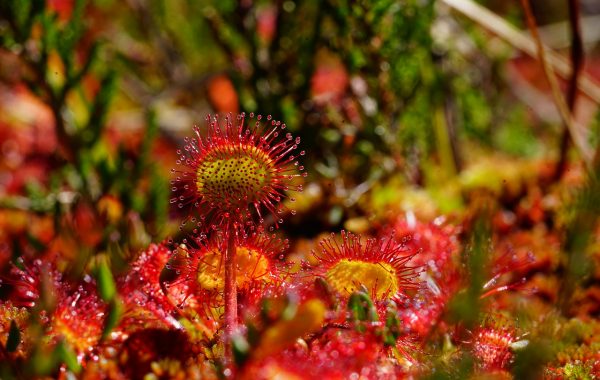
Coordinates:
[404,221]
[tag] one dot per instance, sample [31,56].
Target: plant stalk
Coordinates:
[230,295]
[577,65]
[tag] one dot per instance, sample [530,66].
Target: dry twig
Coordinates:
[577,58]
[522,42]
[549,60]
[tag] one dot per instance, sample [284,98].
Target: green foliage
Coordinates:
[115,312]
[578,372]
[515,137]
[361,308]
[465,306]
[44,363]
[529,361]
[579,234]
[106,283]
[14,337]
[58,75]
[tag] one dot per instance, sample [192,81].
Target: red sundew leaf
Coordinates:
[235,171]
[337,351]
[144,293]
[199,270]
[381,265]
[492,347]
[422,312]
[540,245]
[436,242]
[25,281]
[79,319]
[438,247]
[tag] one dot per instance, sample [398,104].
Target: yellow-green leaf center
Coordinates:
[251,265]
[235,181]
[346,276]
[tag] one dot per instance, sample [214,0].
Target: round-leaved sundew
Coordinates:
[257,263]
[236,170]
[380,265]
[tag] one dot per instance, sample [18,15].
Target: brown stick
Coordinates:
[578,139]
[521,41]
[577,57]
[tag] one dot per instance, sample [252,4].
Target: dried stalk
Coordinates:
[522,42]
[577,57]
[578,139]
[534,47]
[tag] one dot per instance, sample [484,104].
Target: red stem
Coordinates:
[230,295]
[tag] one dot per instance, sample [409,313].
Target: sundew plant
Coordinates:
[321,189]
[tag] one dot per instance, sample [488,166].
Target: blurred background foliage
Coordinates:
[393,92]
[404,108]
